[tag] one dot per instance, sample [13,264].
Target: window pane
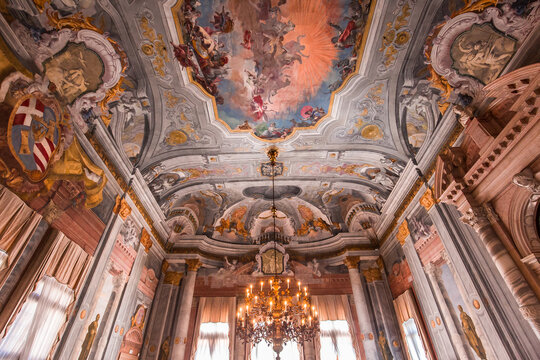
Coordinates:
[414,343]
[213,342]
[263,351]
[336,341]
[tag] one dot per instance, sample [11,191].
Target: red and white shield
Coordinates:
[34,133]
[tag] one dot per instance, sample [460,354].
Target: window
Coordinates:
[213,342]
[336,341]
[263,351]
[34,331]
[414,343]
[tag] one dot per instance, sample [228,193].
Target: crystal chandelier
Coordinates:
[275,313]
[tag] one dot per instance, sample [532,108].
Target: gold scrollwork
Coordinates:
[403,232]
[156,48]
[395,36]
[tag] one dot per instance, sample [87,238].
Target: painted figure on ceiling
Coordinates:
[311,224]
[74,71]
[234,223]
[265,52]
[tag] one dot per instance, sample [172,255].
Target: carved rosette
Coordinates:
[352,262]
[145,240]
[122,208]
[403,232]
[193,264]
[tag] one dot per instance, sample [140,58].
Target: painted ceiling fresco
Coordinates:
[189,94]
[272,66]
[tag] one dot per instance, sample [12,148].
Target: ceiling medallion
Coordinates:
[277,314]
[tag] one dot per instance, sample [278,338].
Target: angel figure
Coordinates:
[229,266]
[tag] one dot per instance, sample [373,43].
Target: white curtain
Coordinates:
[406,309]
[263,351]
[214,328]
[336,341]
[414,343]
[34,330]
[213,342]
[337,337]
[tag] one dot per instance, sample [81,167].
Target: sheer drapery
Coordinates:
[35,329]
[17,223]
[214,328]
[213,342]
[339,336]
[406,308]
[51,287]
[414,344]
[263,351]
[336,340]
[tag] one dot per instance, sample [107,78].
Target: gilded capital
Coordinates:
[403,232]
[428,200]
[122,208]
[380,263]
[352,262]
[372,274]
[145,240]
[193,264]
[164,266]
[172,277]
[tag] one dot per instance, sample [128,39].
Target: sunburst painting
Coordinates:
[271,65]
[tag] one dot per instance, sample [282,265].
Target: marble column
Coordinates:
[529,305]
[239,345]
[162,314]
[184,310]
[487,299]
[129,300]
[66,346]
[459,345]
[309,350]
[428,304]
[107,317]
[383,307]
[362,309]
[239,350]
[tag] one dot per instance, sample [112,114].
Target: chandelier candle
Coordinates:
[277,316]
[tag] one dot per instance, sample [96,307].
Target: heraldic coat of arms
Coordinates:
[34,133]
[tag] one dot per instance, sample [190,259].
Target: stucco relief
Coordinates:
[472,49]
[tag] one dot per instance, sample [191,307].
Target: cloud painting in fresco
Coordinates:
[271,65]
